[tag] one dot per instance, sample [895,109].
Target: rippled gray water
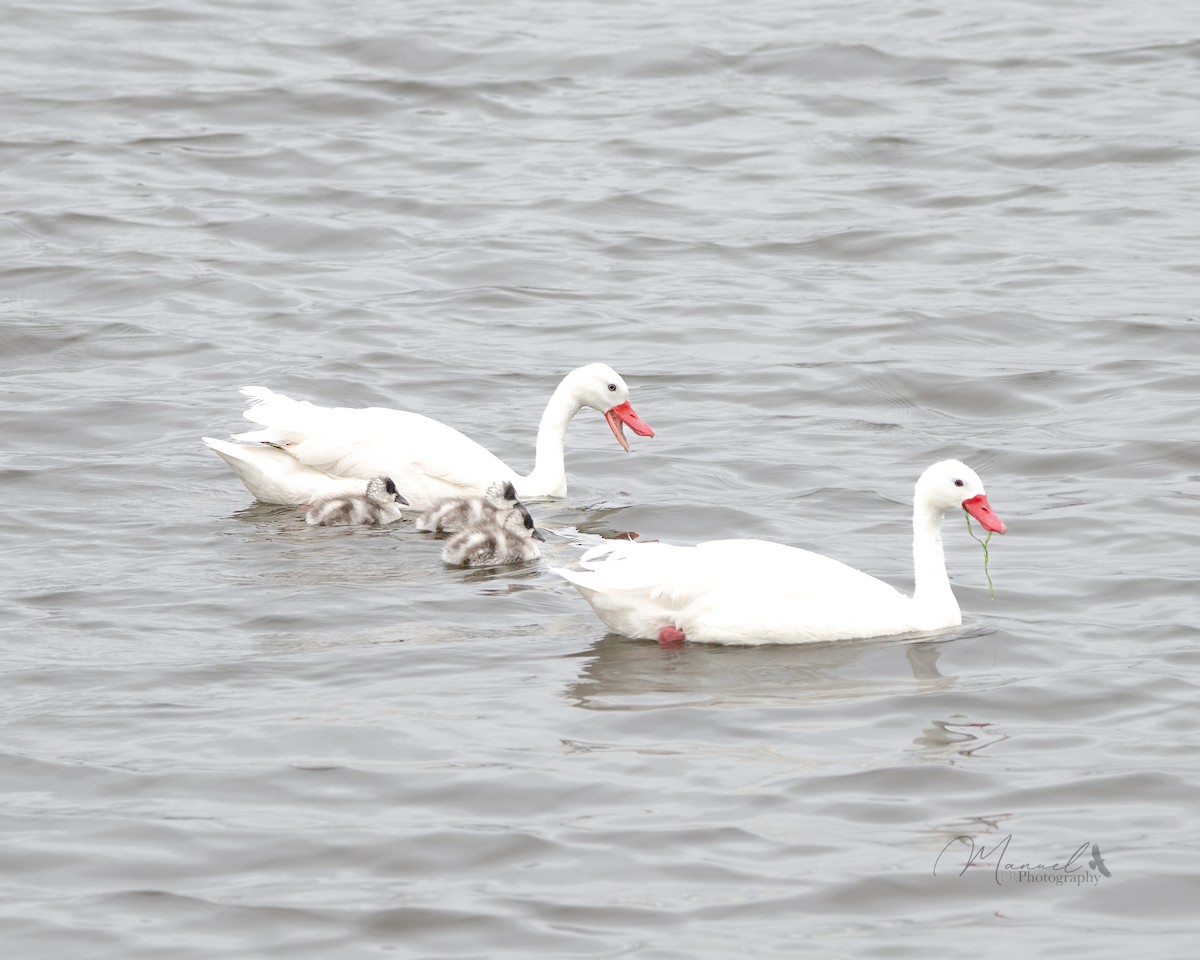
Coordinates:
[826,244]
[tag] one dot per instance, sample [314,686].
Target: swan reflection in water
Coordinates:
[780,703]
[624,674]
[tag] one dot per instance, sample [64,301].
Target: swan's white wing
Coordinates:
[428,460]
[731,591]
[774,570]
[771,593]
[677,576]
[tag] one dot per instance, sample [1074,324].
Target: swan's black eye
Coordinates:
[612,388]
[958,483]
[390,486]
[510,492]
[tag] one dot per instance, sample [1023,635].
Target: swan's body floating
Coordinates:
[379,504]
[457,513]
[307,451]
[506,538]
[755,592]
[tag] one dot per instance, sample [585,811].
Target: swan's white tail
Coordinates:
[274,476]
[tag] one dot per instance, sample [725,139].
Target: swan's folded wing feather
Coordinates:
[732,591]
[746,566]
[373,441]
[762,572]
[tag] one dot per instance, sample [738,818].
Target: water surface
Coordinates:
[826,245]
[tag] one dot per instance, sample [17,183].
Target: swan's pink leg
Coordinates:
[671,636]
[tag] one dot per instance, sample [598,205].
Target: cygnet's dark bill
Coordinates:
[528,517]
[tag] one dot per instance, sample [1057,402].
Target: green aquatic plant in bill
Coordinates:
[983,543]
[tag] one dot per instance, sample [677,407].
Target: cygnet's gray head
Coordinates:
[519,520]
[501,495]
[382,492]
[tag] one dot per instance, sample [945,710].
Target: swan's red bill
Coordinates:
[981,510]
[623,414]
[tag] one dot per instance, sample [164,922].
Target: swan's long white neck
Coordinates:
[549,475]
[932,594]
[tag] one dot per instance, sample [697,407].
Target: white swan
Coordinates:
[755,592]
[379,504]
[307,451]
[506,538]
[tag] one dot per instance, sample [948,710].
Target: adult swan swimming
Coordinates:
[308,451]
[755,592]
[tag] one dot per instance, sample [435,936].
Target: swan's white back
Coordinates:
[427,459]
[732,591]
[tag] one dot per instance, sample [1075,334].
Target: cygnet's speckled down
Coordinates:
[379,504]
[508,538]
[458,513]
